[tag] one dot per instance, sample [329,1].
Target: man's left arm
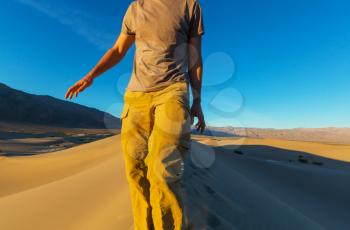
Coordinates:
[195,74]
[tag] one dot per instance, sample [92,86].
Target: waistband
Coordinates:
[177,86]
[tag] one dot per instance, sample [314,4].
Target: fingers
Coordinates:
[76,89]
[67,93]
[81,88]
[73,91]
[197,112]
[70,92]
[200,126]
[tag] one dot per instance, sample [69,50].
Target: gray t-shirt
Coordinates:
[162,29]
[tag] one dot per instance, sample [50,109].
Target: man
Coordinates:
[156,117]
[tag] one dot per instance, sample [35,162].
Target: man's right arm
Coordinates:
[114,55]
[111,58]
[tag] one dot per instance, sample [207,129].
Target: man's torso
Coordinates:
[161,29]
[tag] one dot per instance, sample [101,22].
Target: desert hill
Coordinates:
[325,135]
[20,107]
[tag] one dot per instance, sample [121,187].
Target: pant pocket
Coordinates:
[125,112]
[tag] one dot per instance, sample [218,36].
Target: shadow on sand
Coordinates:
[262,187]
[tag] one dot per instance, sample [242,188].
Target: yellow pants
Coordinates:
[155,138]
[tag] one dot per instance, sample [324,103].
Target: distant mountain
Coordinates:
[220,131]
[20,107]
[326,135]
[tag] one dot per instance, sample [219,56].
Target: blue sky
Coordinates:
[278,64]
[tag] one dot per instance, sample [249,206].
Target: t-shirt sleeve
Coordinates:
[196,23]
[128,26]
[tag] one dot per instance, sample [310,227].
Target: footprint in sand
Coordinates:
[318,163]
[209,190]
[238,152]
[302,159]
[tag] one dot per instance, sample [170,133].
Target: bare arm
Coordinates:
[195,74]
[111,58]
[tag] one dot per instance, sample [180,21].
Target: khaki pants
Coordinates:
[155,138]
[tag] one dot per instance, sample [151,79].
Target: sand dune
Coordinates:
[230,184]
[78,188]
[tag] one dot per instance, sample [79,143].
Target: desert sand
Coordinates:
[230,184]
[23,139]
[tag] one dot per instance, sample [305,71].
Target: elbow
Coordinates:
[198,65]
[195,63]
[117,51]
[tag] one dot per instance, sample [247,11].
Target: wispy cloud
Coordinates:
[82,23]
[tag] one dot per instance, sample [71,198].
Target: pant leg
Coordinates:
[136,123]
[168,144]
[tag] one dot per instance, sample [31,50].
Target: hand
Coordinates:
[196,111]
[80,86]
